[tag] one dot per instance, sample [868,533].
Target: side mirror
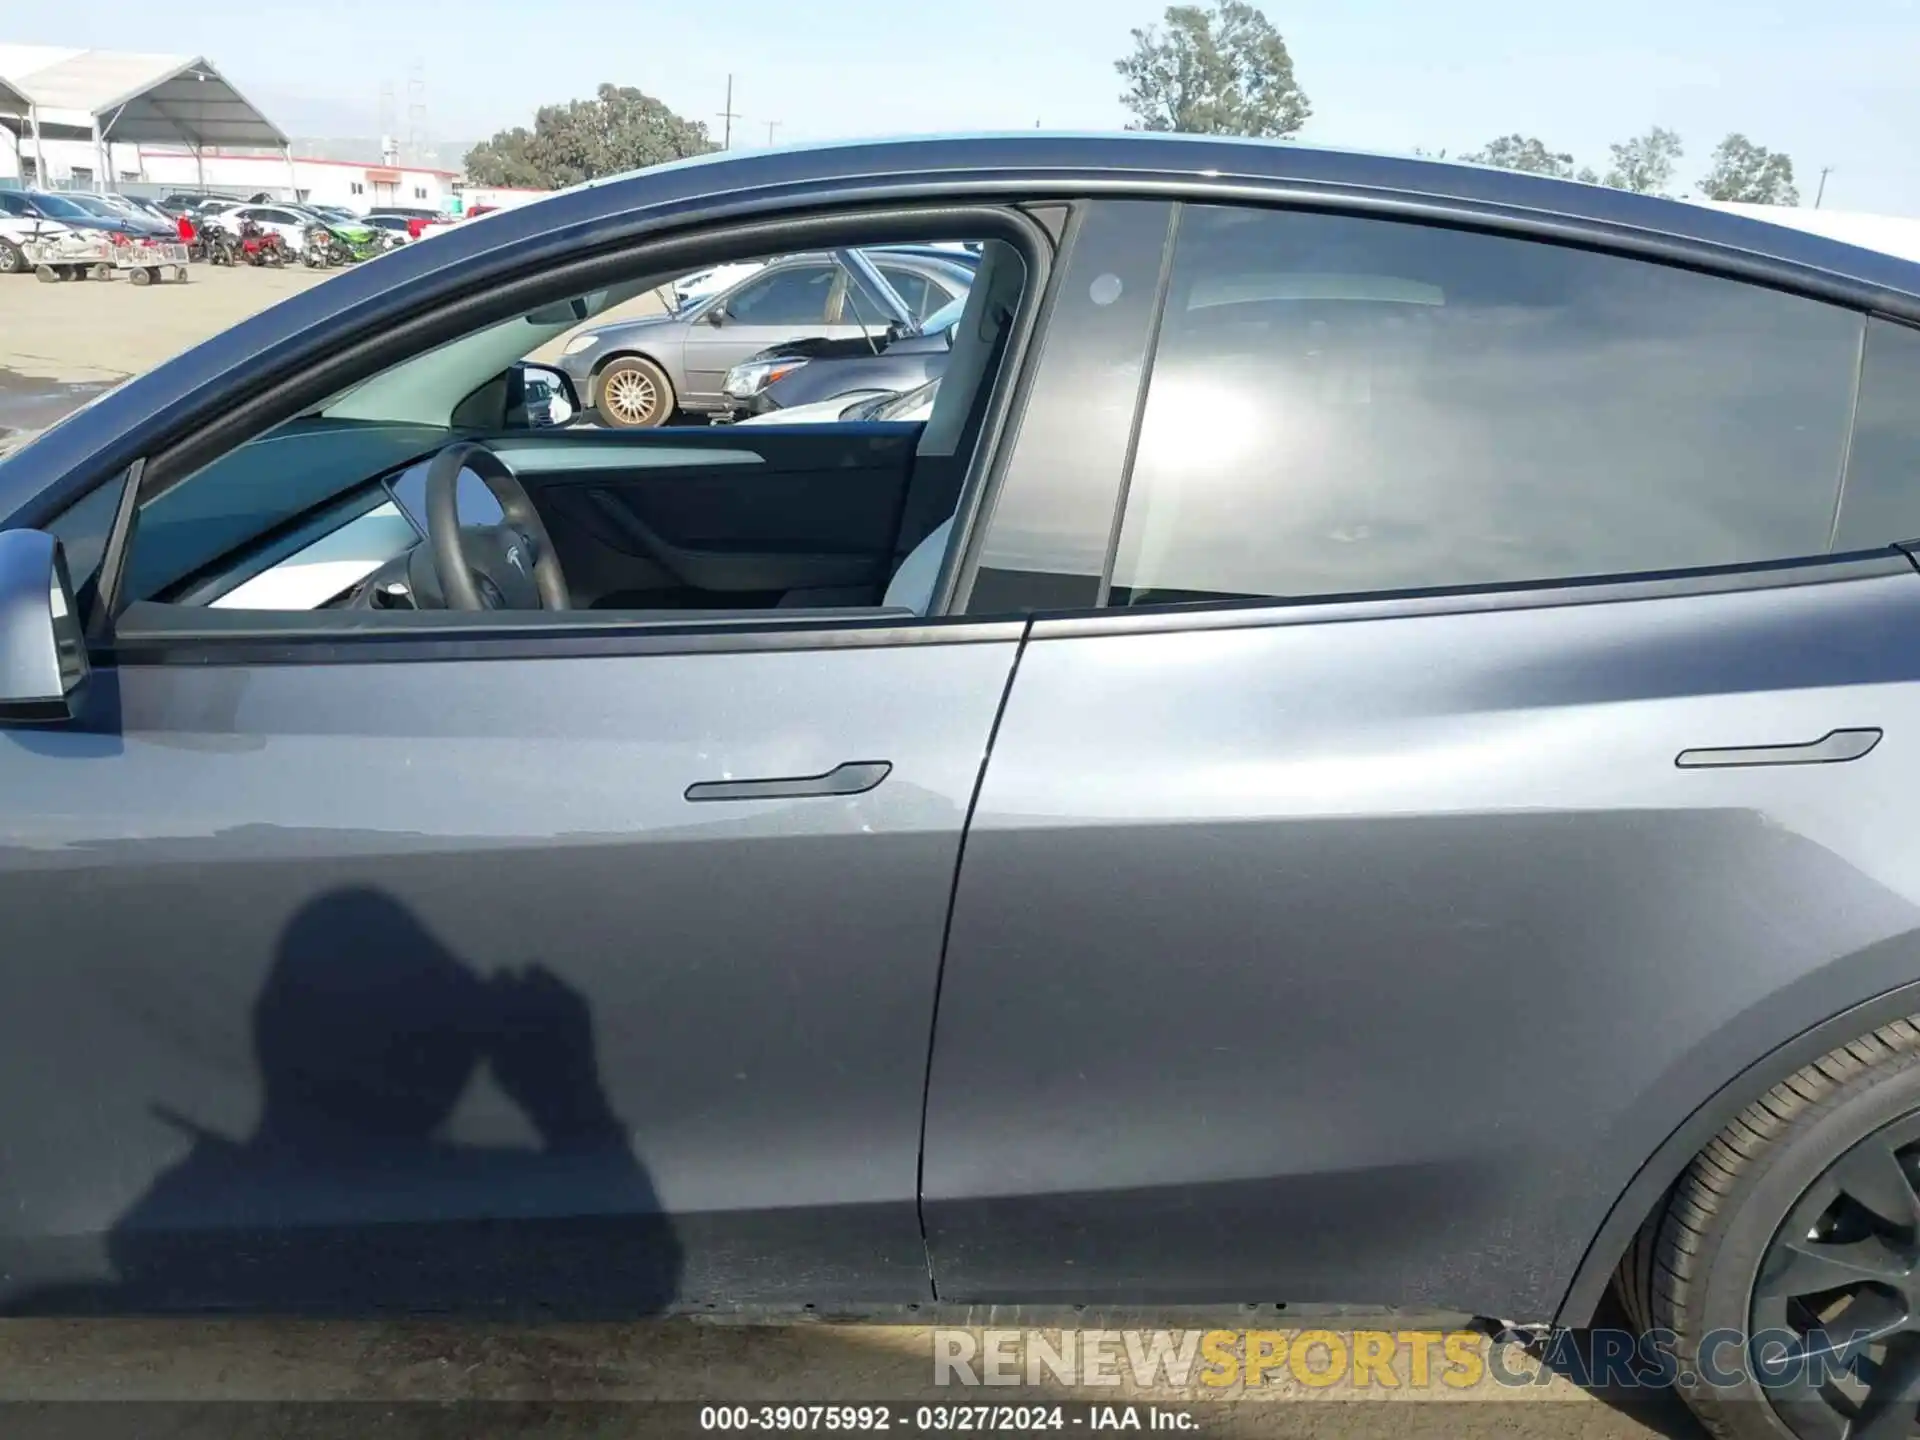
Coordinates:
[716,317]
[43,655]
[539,397]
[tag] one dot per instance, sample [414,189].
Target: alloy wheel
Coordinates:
[631,395]
[1836,1305]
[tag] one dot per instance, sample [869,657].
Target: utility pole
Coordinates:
[729,115]
[1821,193]
[772,125]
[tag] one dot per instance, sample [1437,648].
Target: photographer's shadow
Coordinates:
[349,1198]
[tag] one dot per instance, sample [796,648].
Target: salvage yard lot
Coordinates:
[60,343]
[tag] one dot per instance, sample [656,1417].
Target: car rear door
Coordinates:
[1354,937]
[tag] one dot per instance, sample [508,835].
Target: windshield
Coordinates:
[61,208]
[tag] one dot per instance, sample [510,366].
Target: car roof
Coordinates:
[1036,165]
[1224,163]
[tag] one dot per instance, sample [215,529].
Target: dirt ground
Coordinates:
[61,344]
[246,1377]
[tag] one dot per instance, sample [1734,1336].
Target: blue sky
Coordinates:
[1832,84]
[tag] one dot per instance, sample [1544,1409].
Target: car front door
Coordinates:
[578,973]
[1356,938]
[782,302]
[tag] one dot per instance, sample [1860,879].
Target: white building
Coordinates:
[147,124]
[328,182]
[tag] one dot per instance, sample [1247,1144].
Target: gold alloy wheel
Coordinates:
[630,396]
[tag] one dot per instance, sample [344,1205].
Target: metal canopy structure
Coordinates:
[127,99]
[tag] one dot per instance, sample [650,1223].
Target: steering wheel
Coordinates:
[509,566]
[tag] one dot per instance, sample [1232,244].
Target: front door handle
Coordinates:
[1830,749]
[855,777]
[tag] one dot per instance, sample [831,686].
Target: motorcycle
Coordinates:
[253,245]
[322,248]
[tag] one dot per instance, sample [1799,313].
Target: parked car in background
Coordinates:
[145,209]
[407,212]
[178,201]
[352,237]
[398,226]
[134,222]
[914,406]
[636,374]
[814,371]
[690,290]
[30,214]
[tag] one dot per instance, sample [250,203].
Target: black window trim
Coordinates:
[1263,612]
[474,638]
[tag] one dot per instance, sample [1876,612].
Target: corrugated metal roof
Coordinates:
[137,98]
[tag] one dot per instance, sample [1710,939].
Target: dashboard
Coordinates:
[391,521]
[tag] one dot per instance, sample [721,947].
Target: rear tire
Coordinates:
[1818,1181]
[633,394]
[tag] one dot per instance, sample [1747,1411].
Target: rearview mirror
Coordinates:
[43,655]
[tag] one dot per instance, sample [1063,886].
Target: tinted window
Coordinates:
[786,297]
[13,205]
[1883,475]
[1348,405]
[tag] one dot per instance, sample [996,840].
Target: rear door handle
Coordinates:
[1830,749]
[855,777]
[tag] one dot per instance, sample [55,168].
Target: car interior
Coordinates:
[424,490]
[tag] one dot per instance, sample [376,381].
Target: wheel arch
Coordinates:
[1657,1175]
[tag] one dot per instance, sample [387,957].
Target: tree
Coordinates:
[619,129]
[1743,170]
[1223,71]
[1646,163]
[1523,152]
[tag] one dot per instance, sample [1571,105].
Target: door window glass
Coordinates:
[1345,405]
[795,296]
